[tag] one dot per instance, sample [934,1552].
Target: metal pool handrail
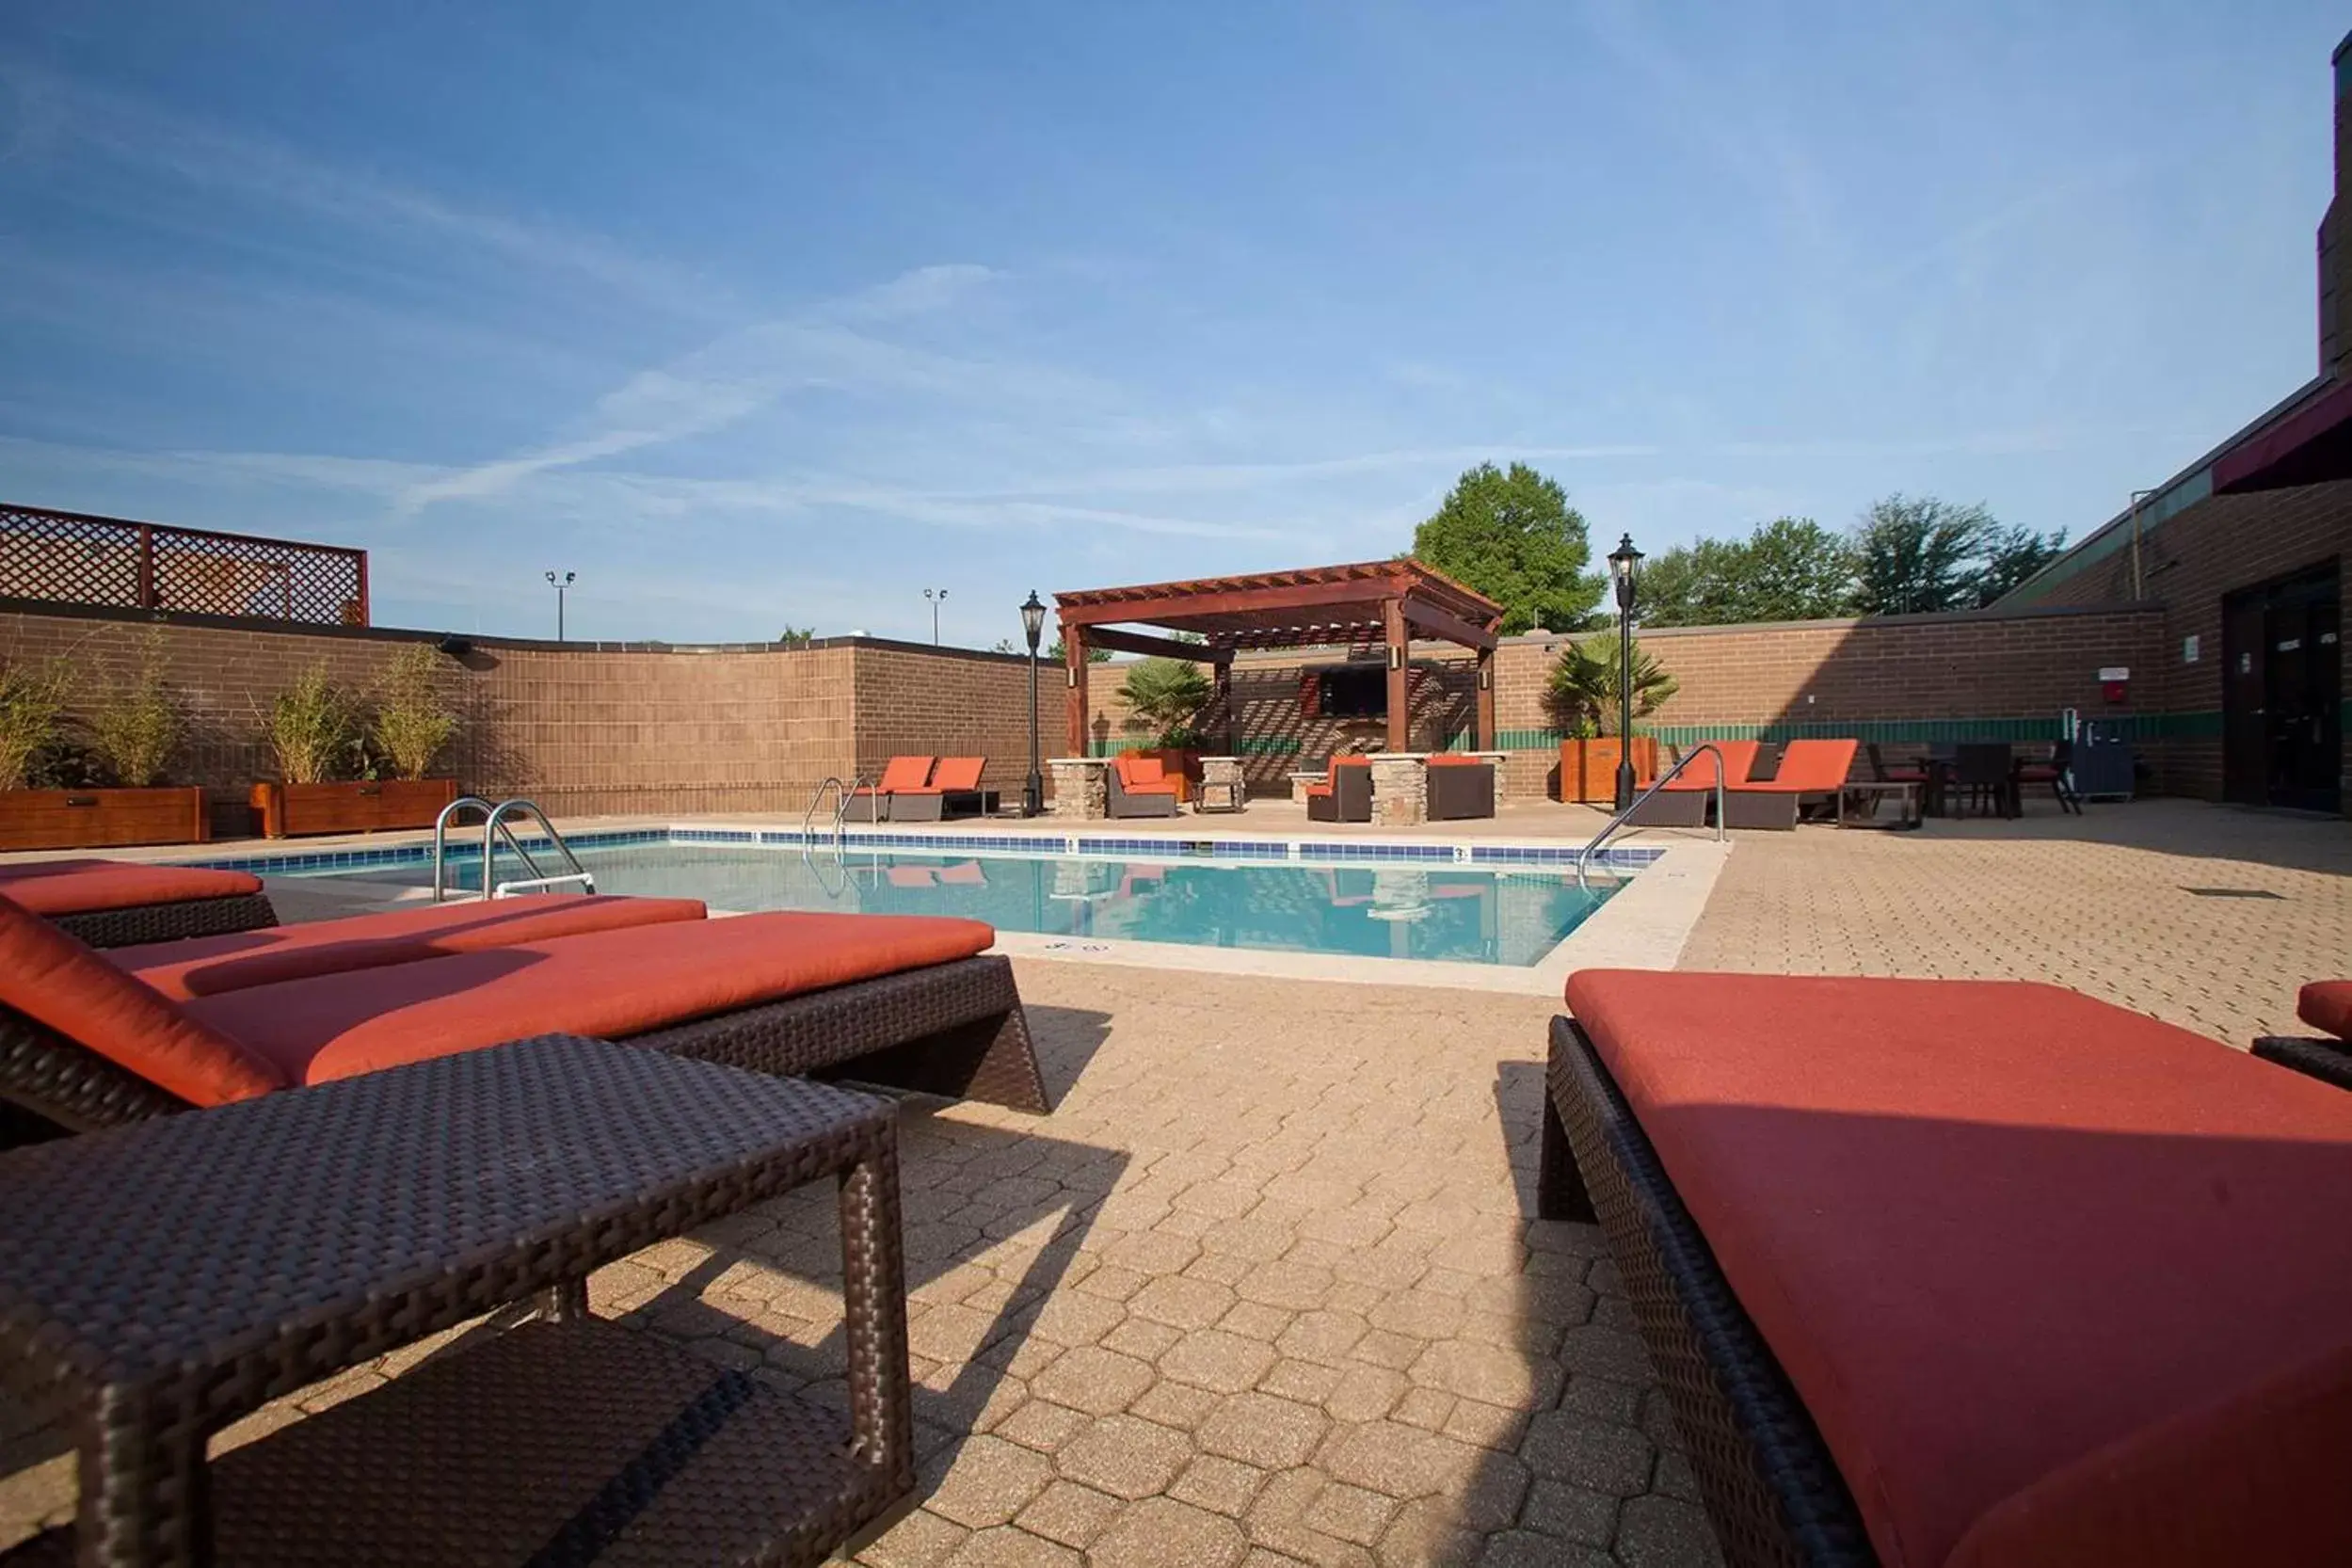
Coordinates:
[1663,779]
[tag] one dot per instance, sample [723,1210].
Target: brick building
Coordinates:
[2242,554]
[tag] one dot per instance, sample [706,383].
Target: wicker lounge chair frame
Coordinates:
[2329,1061]
[1348,798]
[134,925]
[1770,1488]
[1685,805]
[955,1030]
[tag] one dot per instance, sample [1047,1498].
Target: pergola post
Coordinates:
[1225,706]
[1486,700]
[1074,664]
[1399,689]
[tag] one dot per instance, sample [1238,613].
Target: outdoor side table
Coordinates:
[1906,793]
[161,1280]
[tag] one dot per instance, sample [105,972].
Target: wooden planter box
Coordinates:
[291,810]
[1587,769]
[101,819]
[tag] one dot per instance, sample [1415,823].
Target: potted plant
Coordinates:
[1582,697]
[59,792]
[1163,698]
[327,781]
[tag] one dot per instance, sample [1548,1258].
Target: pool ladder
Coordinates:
[843,795]
[495,831]
[1610,829]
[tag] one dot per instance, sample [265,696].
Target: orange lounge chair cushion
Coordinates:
[954,775]
[2327,1004]
[1142,776]
[1448,759]
[203,966]
[1739,759]
[903,775]
[1810,768]
[80,886]
[607,983]
[50,977]
[1994,1231]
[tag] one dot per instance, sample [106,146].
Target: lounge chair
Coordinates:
[1345,794]
[901,1000]
[1968,1273]
[115,903]
[871,803]
[2326,1006]
[1683,802]
[954,791]
[1140,787]
[1459,788]
[1810,772]
[204,965]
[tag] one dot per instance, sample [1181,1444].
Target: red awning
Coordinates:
[2308,447]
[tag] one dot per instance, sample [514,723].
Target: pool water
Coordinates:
[1416,911]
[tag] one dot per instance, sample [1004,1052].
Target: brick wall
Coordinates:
[953,702]
[1902,681]
[2188,565]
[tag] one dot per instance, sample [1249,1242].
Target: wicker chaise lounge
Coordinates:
[1810,772]
[909,1002]
[1683,802]
[954,791]
[872,802]
[2326,1006]
[1968,1275]
[115,903]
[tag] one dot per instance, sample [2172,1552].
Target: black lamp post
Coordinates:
[1033,623]
[1625,570]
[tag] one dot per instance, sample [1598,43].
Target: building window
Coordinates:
[1354,692]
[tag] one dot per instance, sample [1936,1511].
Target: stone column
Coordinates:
[1219,772]
[1399,790]
[1080,790]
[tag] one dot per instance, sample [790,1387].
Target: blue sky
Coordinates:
[757,315]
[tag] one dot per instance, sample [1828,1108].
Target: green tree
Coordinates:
[1914,555]
[1791,568]
[2011,554]
[1163,698]
[1514,537]
[1581,692]
[1054,652]
[797,636]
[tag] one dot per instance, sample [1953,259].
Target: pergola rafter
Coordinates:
[1374,603]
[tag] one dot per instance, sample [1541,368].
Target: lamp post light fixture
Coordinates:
[1034,625]
[559,584]
[937,597]
[1625,570]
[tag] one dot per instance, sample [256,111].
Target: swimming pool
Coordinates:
[1413,909]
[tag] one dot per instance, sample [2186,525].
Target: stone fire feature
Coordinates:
[1081,792]
[1400,789]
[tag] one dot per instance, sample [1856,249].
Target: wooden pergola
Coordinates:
[1383,603]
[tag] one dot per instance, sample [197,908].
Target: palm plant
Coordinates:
[1581,694]
[1164,696]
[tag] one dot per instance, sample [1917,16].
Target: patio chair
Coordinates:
[1905,773]
[115,903]
[2325,1005]
[954,791]
[1345,794]
[2057,773]
[871,803]
[206,966]
[1909,1259]
[1984,776]
[1459,788]
[906,1002]
[1140,787]
[1810,772]
[1683,803]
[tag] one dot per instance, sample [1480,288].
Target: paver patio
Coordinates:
[1262,1289]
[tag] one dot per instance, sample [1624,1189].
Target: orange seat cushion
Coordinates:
[1993,1231]
[904,773]
[79,886]
[1811,768]
[203,966]
[55,980]
[608,984]
[1448,759]
[2327,1004]
[1136,770]
[1739,759]
[957,774]
[1317,789]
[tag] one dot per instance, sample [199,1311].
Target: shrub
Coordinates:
[411,726]
[137,729]
[313,728]
[31,698]
[1164,696]
[1581,694]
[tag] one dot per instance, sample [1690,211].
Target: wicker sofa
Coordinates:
[1968,1273]
[912,1002]
[1345,794]
[1459,788]
[1139,786]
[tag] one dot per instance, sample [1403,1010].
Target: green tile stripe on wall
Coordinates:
[2030,728]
